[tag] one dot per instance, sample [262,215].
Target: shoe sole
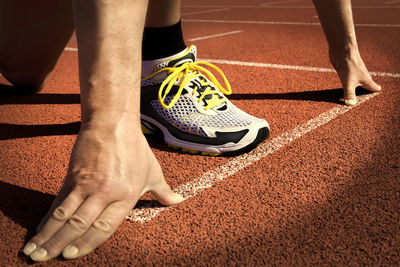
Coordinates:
[150,126]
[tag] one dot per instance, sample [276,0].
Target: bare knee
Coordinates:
[25,79]
[29,51]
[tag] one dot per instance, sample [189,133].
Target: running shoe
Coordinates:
[184,100]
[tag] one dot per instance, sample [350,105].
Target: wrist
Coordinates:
[348,48]
[345,53]
[112,121]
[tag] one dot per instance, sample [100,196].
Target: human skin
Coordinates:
[111,164]
[337,21]
[163,13]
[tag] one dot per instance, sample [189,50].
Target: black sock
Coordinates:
[162,42]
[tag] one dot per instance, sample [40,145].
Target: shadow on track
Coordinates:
[27,207]
[13,131]
[10,95]
[327,95]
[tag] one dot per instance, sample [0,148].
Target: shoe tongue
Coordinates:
[180,61]
[190,57]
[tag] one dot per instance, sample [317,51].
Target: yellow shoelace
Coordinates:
[188,71]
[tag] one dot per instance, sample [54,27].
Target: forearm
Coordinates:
[337,21]
[109,37]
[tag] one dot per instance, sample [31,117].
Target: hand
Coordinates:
[109,171]
[353,73]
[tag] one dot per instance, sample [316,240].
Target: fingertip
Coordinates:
[350,102]
[70,252]
[169,198]
[40,254]
[29,248]
[176,199]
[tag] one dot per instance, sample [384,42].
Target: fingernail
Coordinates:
[350,102]
[70,252]
[39,254]
[29,248]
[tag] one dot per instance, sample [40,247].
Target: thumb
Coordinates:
[370,85]
[164,194]
[161,190]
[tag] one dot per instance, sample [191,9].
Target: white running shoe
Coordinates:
[183,100]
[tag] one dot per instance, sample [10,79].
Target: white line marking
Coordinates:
[283,7]
[385,74]
[237,164]
[376,25]
[392,2]
[374,7]
[73,49]
[291,67]
[281,22]
[252,22]
[268,65]
[242,6]
[277,66]
[279,2]
[205,11]
[213,36]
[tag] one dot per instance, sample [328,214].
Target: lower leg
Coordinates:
[162,13]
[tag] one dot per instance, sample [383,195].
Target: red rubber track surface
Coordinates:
[331,196]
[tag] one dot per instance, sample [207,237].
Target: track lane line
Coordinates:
[284,7]
[276,66]
[72,49]
[239,163]
[392,2]
[205,11]
[278,2]
[243,6]
[214,35]
[292,67]
[285,23]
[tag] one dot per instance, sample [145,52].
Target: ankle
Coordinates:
[161,42]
